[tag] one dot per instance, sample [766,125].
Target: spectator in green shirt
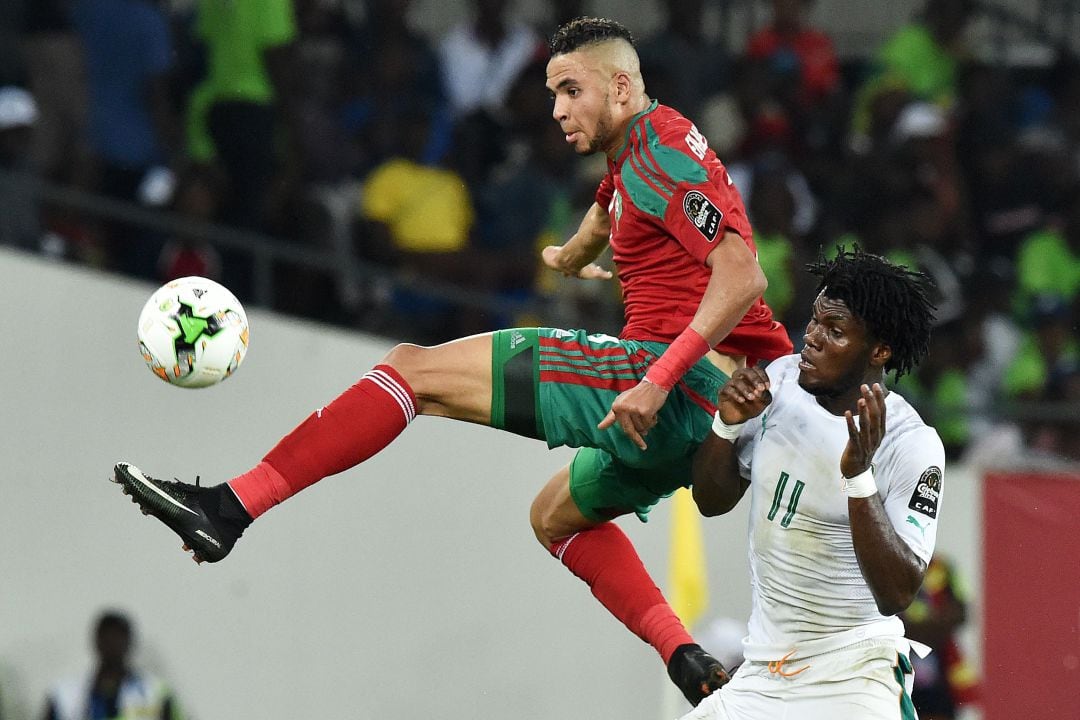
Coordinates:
[236,111]
[920,61]
[1048,261]
[1049,350]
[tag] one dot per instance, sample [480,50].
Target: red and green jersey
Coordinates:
[671,201]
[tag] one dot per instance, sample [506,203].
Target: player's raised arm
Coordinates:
[576,257]
[891,569]
[717,483]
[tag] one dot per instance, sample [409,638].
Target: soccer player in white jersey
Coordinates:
[845,482]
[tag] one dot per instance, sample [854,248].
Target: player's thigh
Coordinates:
[593,489]
[603,487]
[557,385]
[449,380]
[554,514]
[578,377]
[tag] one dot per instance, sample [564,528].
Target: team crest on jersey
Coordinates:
[615,206]
[703,214]
[925,498]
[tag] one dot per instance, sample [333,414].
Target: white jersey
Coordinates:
[808,592]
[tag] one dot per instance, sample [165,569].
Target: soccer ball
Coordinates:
[193,332]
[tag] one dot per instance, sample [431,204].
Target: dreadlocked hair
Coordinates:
[892,301]
[584,31]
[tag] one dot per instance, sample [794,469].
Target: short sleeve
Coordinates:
[605,191]
[913,474]
[699,215]
[277,26]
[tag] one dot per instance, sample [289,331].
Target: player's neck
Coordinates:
[839,403]
[632,109]
[640,105]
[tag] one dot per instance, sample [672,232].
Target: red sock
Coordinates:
[606,560]
[357,424]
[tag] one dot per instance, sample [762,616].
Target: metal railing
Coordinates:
[265,251]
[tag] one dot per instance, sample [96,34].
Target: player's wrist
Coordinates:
[680,356]
[650,382]
[862,485]
[726,431]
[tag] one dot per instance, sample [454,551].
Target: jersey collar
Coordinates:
[630,129]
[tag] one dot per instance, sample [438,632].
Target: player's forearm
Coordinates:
[893,572]
[590,239]
[735,284]
[717,484]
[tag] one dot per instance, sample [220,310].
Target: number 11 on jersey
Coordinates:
[792,503]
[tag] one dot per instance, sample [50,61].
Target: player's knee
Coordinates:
[541,519]
[409,360]
[403,357]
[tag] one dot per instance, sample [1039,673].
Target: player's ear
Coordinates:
[880,353]
[623,86]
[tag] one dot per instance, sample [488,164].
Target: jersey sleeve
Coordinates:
[605,191]
[699,215]
[671,174]
[914,475]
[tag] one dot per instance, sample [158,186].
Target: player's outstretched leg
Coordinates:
[208,519]
[450,380]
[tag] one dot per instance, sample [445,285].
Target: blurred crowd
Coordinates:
[335,125]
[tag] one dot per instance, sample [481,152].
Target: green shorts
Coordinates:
[557,385]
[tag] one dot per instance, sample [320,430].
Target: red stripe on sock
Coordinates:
[606,560]
[357,424]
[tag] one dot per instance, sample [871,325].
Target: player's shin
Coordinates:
[606,560]
[356,425]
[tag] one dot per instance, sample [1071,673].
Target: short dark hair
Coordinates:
[583,31]
[892,301]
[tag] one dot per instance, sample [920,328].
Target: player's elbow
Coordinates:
[748,280]
[757,283]
[894,605]
[711,508]
[714,499]
[895,599]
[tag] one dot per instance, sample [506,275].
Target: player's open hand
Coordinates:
[744,396]
[635,411]
[556,258]
[864,438]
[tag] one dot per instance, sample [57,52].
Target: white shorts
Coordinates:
[869,681]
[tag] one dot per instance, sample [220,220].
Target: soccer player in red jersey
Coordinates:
[694,314]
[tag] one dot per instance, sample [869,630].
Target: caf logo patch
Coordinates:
[702,213]
[925,498]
